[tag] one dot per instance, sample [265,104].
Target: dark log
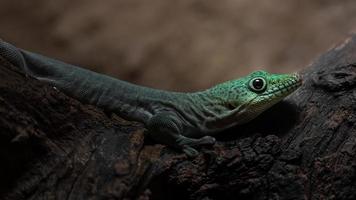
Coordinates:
[54,147]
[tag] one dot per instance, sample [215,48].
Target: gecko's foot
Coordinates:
[190,151]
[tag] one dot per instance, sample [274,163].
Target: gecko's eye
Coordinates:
[257,84]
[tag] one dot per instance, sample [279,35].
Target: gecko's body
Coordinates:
[181,120]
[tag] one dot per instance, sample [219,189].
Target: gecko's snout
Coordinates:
[298,77]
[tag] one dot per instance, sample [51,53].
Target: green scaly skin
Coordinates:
[180,120]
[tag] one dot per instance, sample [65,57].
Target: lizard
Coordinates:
[177,119]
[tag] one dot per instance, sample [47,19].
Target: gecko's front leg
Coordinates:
[166,128]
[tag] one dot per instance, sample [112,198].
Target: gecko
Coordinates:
[183,120]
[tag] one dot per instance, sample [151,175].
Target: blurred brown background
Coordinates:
[180,45]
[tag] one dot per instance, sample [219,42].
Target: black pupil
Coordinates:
[258,83]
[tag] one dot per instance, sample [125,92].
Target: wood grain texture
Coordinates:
[54,147]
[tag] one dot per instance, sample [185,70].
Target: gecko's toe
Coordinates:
[208,140]
[190,151]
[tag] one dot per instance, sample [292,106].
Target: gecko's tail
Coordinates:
[13,55]
[85,85]
[35,65]
[82,84]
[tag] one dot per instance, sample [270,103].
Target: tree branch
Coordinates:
[54,147]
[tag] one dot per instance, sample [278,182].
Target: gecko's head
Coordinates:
[257,92]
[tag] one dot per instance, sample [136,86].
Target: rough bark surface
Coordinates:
[54,147]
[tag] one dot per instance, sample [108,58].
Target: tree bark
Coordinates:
[54,147]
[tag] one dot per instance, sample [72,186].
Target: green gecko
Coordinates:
[180,120]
